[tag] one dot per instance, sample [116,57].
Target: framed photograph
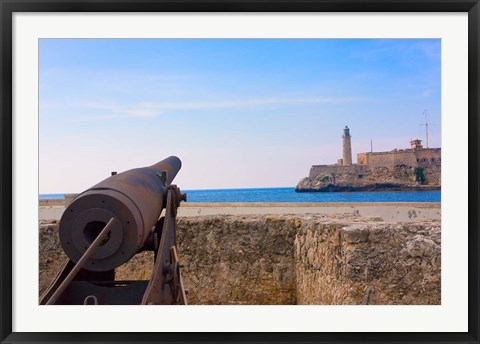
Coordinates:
[327,151]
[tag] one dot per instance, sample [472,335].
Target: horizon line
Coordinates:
[213,189]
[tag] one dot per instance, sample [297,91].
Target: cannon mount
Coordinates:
[76,285]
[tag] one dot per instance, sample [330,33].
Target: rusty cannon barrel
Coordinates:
[134,199]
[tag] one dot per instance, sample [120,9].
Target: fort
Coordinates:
[415,168]
[294,259]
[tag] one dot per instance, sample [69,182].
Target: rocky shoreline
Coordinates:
[352,178]
[366,188]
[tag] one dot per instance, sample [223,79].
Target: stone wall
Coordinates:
[392,159]
[367,263]
[433,173]
[292,259]
[238,260]
[51,258]
[317,170]
[386,174]
[362,158]
[54,202]
[429,155]
[422,157]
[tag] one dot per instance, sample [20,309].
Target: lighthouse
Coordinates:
[347,147]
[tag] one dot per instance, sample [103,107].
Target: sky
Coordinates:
[239,113]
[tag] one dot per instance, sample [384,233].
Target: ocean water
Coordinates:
[289,195]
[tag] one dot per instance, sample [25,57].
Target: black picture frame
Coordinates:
[8,7]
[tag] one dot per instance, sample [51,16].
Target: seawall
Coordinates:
[387,211]
[292,259]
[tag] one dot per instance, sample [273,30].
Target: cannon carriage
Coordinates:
[108,224]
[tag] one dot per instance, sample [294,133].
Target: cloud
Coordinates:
[148,109]
[101,110]
[248,103]
[114,116]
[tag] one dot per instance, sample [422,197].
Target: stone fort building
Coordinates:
[415,156]
[416,167]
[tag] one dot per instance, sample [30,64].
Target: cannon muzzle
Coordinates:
[134,199]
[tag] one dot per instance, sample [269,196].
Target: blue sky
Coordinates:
[237,112]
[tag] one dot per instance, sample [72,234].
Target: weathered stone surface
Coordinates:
[51,258]
[238,260]
[291,259]
[369,264]
[332,178]
[355,234]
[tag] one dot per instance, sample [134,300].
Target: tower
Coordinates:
[416,144]
[347,147]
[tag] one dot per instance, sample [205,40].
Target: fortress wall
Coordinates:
[317,170]
[404,158]
[432,172]
[292,259]
[382,167]
[380,160]
[238,259]
[401,157]
[391,159]
[426,157]
[430,160]
[362,158]
[429,152]
[368,263]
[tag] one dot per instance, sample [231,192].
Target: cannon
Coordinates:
[108,224]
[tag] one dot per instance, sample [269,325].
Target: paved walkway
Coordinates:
[390,212]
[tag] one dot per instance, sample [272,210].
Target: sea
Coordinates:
[288,194]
